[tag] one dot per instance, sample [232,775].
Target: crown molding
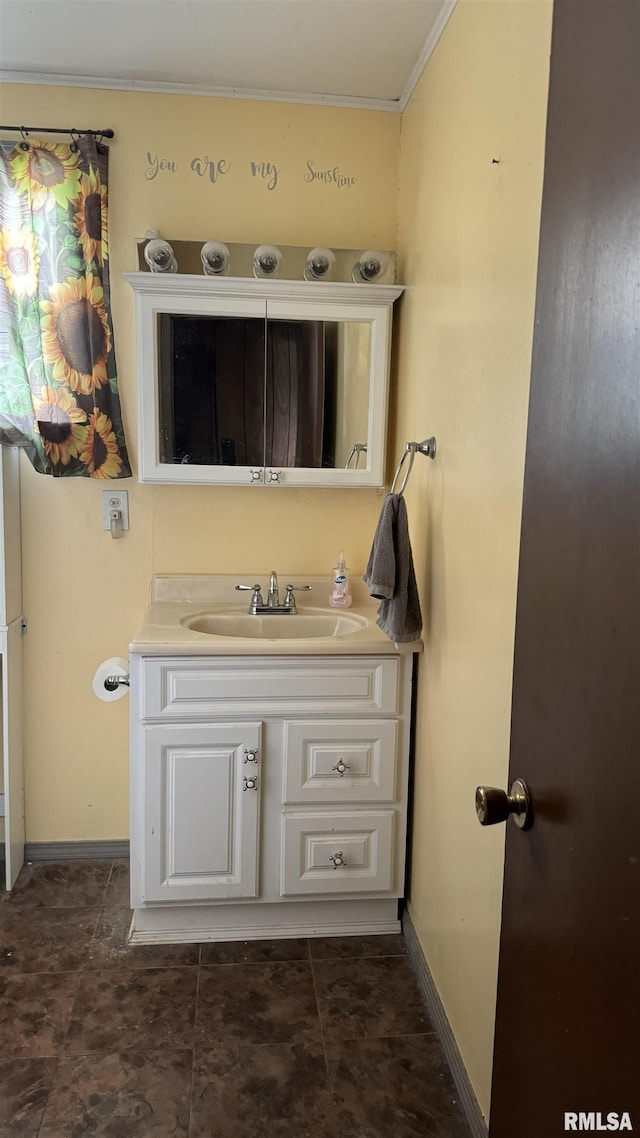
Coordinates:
[430,45]
[45,79]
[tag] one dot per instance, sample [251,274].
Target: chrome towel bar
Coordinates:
[426,447]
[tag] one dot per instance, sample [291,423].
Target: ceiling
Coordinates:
[339,52]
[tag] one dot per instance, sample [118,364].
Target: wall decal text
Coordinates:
[332,176]
[156,164]
[215,168]
[265,173]
[268,171]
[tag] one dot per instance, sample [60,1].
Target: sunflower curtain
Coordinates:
[58,386]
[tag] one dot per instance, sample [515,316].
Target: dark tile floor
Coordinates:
[280,1039]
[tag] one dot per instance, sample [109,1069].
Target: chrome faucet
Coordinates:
[273,596]
[257,607]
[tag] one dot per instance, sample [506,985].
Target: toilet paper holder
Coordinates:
[112,683]
[112,679]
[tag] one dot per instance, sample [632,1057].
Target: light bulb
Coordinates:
[160,257]
[370,267]
[319,265]
[215,258]
[266,261]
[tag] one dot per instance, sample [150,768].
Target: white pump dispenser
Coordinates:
[340,596]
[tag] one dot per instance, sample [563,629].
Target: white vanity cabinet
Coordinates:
[269,795]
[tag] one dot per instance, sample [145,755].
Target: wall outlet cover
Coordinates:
[115,500]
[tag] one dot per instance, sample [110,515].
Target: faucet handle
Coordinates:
[289,600]
[256,599]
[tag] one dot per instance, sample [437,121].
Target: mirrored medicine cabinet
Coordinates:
[244,381]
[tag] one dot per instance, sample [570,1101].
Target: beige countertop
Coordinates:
[177,600]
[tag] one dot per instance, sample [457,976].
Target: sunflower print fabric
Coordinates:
[58,386]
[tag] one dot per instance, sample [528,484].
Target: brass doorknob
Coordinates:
[494,805]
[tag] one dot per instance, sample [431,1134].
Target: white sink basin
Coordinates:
[279,626]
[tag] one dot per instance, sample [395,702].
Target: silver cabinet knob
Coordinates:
[273,475]
[255,476]
[341,767]
[250,783]
[494,805]
[337,859]
[250,755]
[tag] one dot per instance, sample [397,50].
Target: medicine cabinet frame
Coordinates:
[191,295]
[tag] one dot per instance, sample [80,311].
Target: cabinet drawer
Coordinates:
[186,689]
[340,761]
[337,853]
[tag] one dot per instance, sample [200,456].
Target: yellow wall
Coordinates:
[468,249]
[84,592]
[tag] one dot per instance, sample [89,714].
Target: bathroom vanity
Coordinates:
[269,767]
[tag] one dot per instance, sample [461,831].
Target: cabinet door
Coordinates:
[326,380]
[11,749]
[201,386]
[202,791]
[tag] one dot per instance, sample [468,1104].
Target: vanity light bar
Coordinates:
[284,262]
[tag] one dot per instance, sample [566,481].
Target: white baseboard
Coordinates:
[468,1101]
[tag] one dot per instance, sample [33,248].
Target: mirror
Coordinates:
[247,382]
[248,391]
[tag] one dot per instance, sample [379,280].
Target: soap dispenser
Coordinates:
[340,596]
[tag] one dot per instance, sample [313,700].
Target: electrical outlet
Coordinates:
[115,500]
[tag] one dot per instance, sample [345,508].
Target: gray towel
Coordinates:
[390,574]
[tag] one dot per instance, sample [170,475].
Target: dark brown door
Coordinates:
[568,1015]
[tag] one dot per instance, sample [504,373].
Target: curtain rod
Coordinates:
[58,130]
